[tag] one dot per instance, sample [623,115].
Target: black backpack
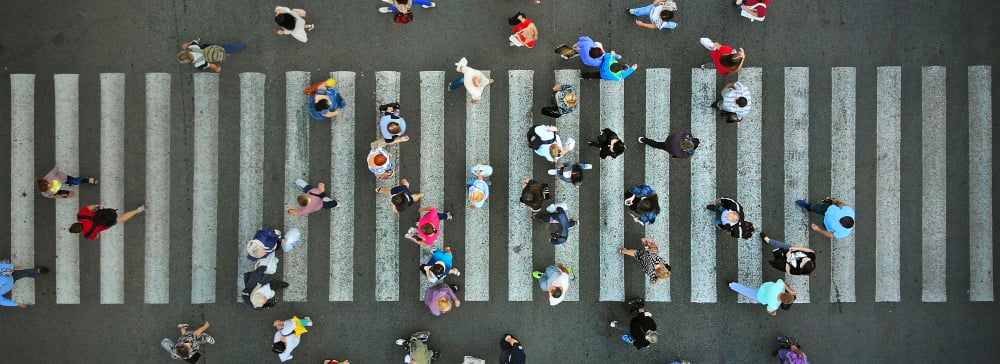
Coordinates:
[105,217]
[743,230]
[551,111]
[535,141]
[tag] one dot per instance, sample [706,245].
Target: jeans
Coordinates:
[442,216]
[643,11]
[550,271]
[779,245]
[456,83]
[744,290]
[818,208]
[73,181]
[22,273]
[233,48]
[655,144]
[415,2]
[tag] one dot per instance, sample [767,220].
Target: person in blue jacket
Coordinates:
[611,69]
[559,222]
[9,274]
[643,204]
[325,103]
[591,52]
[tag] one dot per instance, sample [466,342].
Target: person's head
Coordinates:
[733,216]
[321,105]
[444,304]
[279,324]
[394,128]
[666,15]
[687,145]
[400,200]
[380,159]
[427,229]
[185,57]
[576,175]
[731,60]
[555,150]
[570,99]
[741,101]
[477,196]
[278,347]
[437,269]
[556,292]
[401,2]
[662,272]
[285,20]
[645,205]
[808,266]
[481,81]
[76,228]
[618,67]
[256,248]
[42,184]
[652,336]
[847,222]
[786,298]
[618,148]
[596,52]
[183,351]
[302,200]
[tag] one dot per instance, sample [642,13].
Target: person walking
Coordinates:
[312,199]
[789,351]
[266,241]
[391,125]
[838,217]
[439,266]
[564,101]
[511,351]
[525,31]
[479,186]
[555,282]
[288,335]
[441,297]
[475,81]
[9,274]
[417,351]
[591,52]
[611,69]
[755,10]
[680,144]
[428,227]
[789,259]
[643,204]
[534,194]
[292,22]
[659,13]
[380,162]
[260,287]
[735,103]
[404,6]
[641,330]
[609,142]
[650,260]
[92,220]
[401,196]
[324,100]
[725,59]
[559,222]
[572,175]
[204,55]
[188,345]
[729,216]
[546,142]
[52,183]
[774,295]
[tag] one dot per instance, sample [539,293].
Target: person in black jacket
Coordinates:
[790,259]
[729,216]
[511,351]
[260,287]
[609,142]
[679,144]
[642,329]
[535,194]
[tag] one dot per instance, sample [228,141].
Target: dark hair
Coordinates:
[76,228]
[514,20]
[278,347]
[648,204]
[322,105]
[731,60]
[596,52]
[285,20]
[576,176]
[807,267]
[618,148]
[182,351]
[847,222]
[666,15]
[557,292]
[741,101]
[437,269]
[42,184]
[270,303]
[399,200]
[401,2]
[618,67]
[427,229]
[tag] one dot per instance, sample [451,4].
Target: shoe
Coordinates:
[586,166]
[461,63]
[705,66]
[455,288]
[436,355]
[141,208]
[92,181]
[802,203]
[614,323]
[536,274]
[627,338]
[41,269]
[429,6]
[457,273]
[310,27]
[387,1]
[308,319]
[711,207]
[636,302]
[400,342]
[764,238]
[594,143]
[553,172]
[283,285]
[378,189]
[181,326]
[641,140]
[301,183]
[209,339]
[384,10]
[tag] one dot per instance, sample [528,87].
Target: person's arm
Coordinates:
[201,330]
[186,45]
[644,24]
[628,71]
[331,114]
[828,234]
[798,249]
[839,203]
[750,10]
[406,183]
[789,289]
[292,211]
[215,67]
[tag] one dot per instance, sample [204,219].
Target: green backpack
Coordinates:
[212,54]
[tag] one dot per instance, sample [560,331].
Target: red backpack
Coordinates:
[402,18]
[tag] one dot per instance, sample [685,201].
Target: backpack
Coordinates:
[551,111]
[535,141]
[401,18]
[105,217]
[743,230]
[212,54]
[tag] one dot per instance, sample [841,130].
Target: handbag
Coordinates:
[403,18]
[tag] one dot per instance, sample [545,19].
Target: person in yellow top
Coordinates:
[287,336]
[51,185]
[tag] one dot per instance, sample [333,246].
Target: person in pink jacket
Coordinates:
[428,227]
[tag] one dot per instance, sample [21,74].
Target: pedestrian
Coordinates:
[790,259]
[403,6]
[572,175]
[51,185]
[609,142]
[441,297]
[680,144]
[546,142]
[735,103]
[439,266]
[564,101]
[92,220]
[479,186]
[591,52]
[725,59]
[380,162]
[204,55]
[401,196]
[643,204]
[188,346]
[729,216]
[332,361]
[534,194]
[555,282]
[790,352]
[774,295]
[260,287]
[755,10]
[324,100]
[559,222]
[525,31]
[287,336]
[266,241]
[292,22]
[9,274]
[659,13]
[649,258]
[391,124]
[838,218]
[611,69]
[417,351]
[428,227]
[641,329]
[511,351]
[475,81]
[312,199]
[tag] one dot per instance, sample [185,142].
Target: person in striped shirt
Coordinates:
[652,263]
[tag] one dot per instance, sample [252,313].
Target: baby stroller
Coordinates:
[416,348]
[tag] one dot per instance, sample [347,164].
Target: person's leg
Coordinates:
[643,11]
[543,281]
[456,83]
[590,75]
[129,215]
[307,187]
[819,208]
[744,290]
[777,244]
[73,181]
[783,353]
[329,203]
[652,143]
[233,48]
[22,273]
[422,2]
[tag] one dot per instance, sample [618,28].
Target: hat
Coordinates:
[256,249]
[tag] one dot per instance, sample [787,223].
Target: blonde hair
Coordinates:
[444,304]
[662,272]
[570,99]
[185,57]
[555,150]
[477,196]
[652,336]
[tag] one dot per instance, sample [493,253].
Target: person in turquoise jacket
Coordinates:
[9,274]
[774,295]
[611,69]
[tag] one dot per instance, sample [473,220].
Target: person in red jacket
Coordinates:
[92,220]
[525,31]
[726,59]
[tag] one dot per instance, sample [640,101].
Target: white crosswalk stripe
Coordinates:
[614,271]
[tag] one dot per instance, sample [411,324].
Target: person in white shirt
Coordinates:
[288,335]
[555,282]
[475,81]
[735,100]
[292,22]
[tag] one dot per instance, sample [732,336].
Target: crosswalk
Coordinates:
[247,194]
